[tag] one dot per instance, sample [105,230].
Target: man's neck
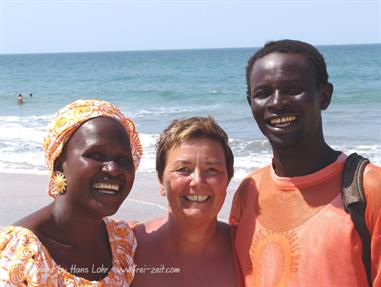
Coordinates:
[299,161]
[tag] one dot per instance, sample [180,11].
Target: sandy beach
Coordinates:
[21,194]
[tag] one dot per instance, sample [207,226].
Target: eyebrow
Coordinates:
[215,161]
[208,162]
[102,146]
[182,161]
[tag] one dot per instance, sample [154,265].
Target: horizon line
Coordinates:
[173,49]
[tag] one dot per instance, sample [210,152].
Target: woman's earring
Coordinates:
[59,182]
[162,191]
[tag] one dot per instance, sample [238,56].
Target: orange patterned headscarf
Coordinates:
[66,121]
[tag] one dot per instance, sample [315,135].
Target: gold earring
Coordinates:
[59,182]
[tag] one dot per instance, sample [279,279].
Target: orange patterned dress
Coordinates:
[24,261]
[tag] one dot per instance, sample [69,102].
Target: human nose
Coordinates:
[111,167]
[196,178]
[277,99]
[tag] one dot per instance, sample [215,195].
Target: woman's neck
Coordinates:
[71,229]
[191,236]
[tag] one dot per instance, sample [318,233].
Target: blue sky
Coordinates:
[32,26]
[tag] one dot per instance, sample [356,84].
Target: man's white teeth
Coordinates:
[196,198]
[106,187]
[282,121]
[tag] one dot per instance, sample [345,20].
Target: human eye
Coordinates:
[94,156]
[261,93]
[125,162]
[212,171]
[184,170]
[294,90]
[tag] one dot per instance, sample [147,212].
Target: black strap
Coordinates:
[355,203]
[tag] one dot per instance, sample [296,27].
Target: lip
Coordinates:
[282,122]
[197,198]
[107,187]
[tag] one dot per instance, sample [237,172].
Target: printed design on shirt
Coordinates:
[24,261]
[275,257]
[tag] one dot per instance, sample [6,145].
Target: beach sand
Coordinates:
[22,194]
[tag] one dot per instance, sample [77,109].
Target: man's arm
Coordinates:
[372,188]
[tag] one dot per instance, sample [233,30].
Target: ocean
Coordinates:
[156,87]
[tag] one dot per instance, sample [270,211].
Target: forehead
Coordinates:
[206,147]
[282,66]
[100,130]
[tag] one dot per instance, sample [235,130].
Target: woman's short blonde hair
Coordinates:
[180,131]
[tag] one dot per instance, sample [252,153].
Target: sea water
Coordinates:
[156,87]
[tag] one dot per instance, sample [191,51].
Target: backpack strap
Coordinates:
[355,203]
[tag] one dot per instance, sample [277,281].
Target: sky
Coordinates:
[32,26]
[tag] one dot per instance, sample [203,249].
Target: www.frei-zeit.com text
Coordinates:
[162,269]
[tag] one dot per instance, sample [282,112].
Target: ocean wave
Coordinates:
[21,151]
[17,133]
[167,110]
[25,119]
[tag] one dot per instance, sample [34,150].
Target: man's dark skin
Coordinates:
[290,225]
[284,87]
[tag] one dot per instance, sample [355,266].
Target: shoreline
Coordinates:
[22,194]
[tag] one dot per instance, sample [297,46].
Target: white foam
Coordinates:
[21,148]
[17,132]
[372,152]
[243,165]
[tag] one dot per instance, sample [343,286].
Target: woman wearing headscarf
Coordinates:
[92,151]
[189,246]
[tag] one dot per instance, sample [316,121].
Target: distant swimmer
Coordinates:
[20,99]
[30,95]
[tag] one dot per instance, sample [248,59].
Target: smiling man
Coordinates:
[291,228]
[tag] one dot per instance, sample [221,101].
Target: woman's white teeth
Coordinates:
[106,191]
[106,187]
[196,198]
[282,121]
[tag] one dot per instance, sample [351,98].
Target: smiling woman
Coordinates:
[92,151]
[189,246]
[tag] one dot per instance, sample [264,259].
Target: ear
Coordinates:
[326,95]
[248,100]
[59,163]
[162,188]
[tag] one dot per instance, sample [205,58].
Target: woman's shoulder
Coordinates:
[20,248]
[225,230]
[13,236]
[121,237]
[117,227]
[145,229]
[222,225]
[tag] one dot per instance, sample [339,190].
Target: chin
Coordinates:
[198,215]
[107,211]
[284,143]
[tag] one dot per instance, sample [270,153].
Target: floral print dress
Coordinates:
[24,261]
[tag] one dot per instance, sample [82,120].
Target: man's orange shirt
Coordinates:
[295,231]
